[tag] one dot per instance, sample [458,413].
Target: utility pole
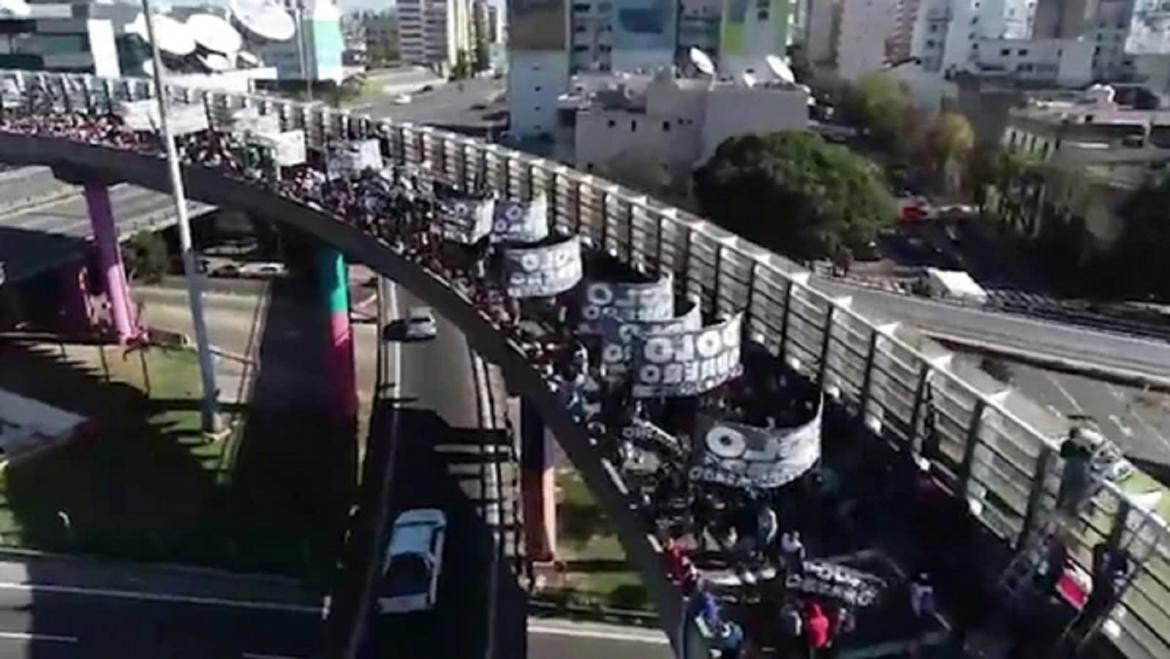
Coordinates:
[210,407]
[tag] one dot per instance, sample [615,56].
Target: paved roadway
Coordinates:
[1056,344]
[51,223]
[434,377]
[446,105]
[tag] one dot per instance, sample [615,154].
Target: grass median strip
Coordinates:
[145,483]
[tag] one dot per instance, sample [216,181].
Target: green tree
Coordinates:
[795,193]
[947,147]
[145,256]
[633,169]
[881,104]
[1137,259]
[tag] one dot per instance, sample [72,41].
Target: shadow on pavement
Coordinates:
[458,628]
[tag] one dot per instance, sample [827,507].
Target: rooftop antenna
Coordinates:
[264,19]
[214,33]
[780,69]
[171,36]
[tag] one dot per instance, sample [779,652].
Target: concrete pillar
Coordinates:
[339,356]
[105,236]
[538,486]
[75,307]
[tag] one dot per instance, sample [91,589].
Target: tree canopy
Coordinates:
[881,103]
[794,193]
[1139,261]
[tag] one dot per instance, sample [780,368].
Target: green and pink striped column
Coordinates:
[339,355]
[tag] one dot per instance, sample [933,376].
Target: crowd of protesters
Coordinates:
[748,533]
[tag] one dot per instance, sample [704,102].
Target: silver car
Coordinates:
[414,559]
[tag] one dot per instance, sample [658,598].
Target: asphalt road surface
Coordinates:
[131,612]
[447,104]
[1073,347]
[40,236]
[437,428]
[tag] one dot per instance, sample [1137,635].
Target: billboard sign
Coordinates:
[288,148]
[542,271]
[687,363]
[619,337]
[835,581]
[183,118]
[739,455]
[520,221]
[349,159]
[466,220]
[626,302]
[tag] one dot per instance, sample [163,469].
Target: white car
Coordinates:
[413,562]
[419,324]
[403,99]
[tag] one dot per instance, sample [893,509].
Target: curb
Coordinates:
[8,551]
[548,608]
[1112,374]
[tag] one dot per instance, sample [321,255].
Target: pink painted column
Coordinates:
[339,356]
[105,237]
[76,313]
[537,486]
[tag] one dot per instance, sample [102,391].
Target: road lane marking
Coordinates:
[1125,430]
[597,633]
[25,636]
[1064,392]
[160,597]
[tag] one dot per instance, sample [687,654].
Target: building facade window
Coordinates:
[633,125]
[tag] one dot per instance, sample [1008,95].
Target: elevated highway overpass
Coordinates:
[44,221]
[983,453]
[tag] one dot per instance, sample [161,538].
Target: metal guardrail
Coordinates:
[979,450]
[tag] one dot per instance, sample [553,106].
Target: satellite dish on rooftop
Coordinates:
[172,37]
[263,19]
[216,62]
[17,8]
[702,61]
[214,33]
[248,59]
[780,69]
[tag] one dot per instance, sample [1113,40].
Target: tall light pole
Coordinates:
[300,9]
[210,407]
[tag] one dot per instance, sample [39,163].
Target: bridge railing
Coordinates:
[977,448]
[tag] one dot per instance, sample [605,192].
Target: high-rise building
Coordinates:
[318,36]
[750,30]
[435,33]
[381,35]
[698,25]
[865,32]
[538,64]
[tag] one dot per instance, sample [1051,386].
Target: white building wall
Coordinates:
[734,111]
[536,78]
[683,122]
[822,31]
[865,27]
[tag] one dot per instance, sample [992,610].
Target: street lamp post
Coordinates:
[210,407]
[300,9]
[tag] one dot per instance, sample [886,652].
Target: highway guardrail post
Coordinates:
[916,410]
[826,345]
[867,376]
[967,466]
[1035,495]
